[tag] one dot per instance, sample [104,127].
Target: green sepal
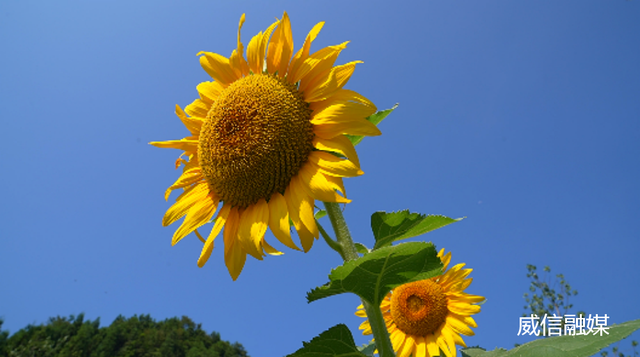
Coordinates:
[361,248]
[335,342]
[321,213]
[372,276]
[375,118]
[562,346]
[393,226]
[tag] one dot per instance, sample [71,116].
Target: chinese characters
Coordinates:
[570,325]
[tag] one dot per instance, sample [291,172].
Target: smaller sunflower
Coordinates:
[426,316]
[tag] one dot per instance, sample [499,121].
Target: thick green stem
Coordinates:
[349,252]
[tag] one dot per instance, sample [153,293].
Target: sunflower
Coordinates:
[427,316]
[267,140]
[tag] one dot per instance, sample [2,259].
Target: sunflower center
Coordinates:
[419,308]
[256,137]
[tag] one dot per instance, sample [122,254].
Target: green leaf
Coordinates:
[372,276]
[390,227]
[478,351]
[562,346]
[361,248]
[375,118]
[336,341]
[368,349]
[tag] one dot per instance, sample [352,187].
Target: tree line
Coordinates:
[136,336]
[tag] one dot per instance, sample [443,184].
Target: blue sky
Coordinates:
[520,115]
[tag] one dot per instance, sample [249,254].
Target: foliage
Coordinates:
[394,226]
[335,342]
[388,265]
[372,276]
[136,336]
[561,346]
[547,301]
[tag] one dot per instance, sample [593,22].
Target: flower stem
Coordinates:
[332,243]
[349,252]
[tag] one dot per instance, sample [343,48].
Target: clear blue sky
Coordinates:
[521,115]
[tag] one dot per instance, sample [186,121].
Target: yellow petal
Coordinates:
[446,259]
[469,321]
[193,161]
[420,347]
[187,178]
[280,47]
[340,97]
[189,144]
[253,225]
[465,284]
[432,346]
[337,184]
[356,127]
[192,124]
[319,62]
[448,333]
[458,340]
[442,344]
[217,227]
[234,255]
[391,326]
[269,249]
[184,203]
[218,67]
[341,113]
[302,54]
[334,166]
[459,326]
[257,49]
[198,108]
[328,84]
[317,186]
[237,61]
[468,298]
[463,309]
[209,91]
[279,220]
[407,347]
[199,214]
[199,236]
[340,144]
[306,238]
[366,328]
[300,207]
[305,207]
[397,338]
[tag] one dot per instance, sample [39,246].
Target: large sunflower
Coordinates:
[266,142]
[427,316]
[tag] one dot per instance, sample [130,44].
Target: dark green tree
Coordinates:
[132,337]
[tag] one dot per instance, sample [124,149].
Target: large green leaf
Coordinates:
[335,342]
[562,346]
[372,276]
[390,227]
[375,118]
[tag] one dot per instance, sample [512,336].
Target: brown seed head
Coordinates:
[256,137]
[419,308]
